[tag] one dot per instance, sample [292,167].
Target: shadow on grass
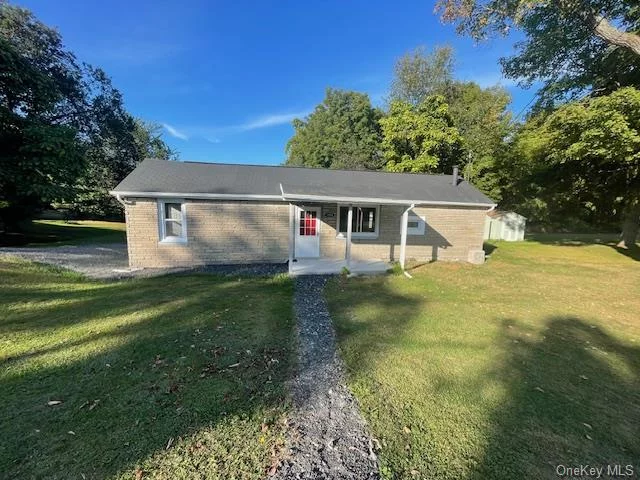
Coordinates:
[579,240]
[573,399]
[489,248]
[140,365]
[572,391]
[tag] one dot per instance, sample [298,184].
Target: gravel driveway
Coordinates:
[110,261]
[330,438]
[96,261]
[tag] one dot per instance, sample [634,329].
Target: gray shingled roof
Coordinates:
[160,177]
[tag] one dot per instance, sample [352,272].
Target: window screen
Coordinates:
[172,220]
[363,221]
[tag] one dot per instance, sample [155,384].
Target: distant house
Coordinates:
[189,213]
[502,225]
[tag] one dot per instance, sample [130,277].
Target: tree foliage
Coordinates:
[419,74]
[342,132]
[62,123]
[484,122]
[480,114]
[110,160]
[572,46]
[583,159]
[420,138]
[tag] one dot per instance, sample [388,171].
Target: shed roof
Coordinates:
[161,178]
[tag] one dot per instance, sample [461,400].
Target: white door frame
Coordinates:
[307,246]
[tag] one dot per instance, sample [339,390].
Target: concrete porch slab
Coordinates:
[328,266]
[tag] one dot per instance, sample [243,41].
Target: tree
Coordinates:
[573,46]
[586,156]
[63,125]
[484,122]
[342,132]
[110,160]
[480,115]
[420,138]
[419,74]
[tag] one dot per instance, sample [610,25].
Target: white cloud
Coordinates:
[174,133]
[270,121]
[213,140]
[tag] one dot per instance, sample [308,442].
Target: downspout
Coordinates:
[403,237]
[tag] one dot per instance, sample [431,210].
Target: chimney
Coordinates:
[454,180]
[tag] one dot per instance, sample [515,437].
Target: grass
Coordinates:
[169,377]
[59,232]
[498,371]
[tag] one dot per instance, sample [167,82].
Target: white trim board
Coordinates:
[292,197]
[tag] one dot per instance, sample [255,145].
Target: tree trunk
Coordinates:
[630,226]
[613,36]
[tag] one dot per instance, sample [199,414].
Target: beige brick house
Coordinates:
[188,213]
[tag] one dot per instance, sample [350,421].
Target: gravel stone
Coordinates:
[329,438]
[110,261]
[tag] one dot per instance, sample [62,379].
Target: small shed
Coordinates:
[501,225]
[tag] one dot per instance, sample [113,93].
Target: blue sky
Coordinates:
[225,79]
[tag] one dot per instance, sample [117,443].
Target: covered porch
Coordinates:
[323,234]
[330,266]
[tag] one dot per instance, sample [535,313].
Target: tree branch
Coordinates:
[610,34]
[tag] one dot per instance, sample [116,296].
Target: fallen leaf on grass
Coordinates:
[406,430]
[588,426]
[234,365]
[584,377]
[540,389]
[588,437]
[71,432]
[169,443]
[53,403]
[139,473]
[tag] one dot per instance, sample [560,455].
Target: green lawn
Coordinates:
[59,232]
[175,377]
[502,370]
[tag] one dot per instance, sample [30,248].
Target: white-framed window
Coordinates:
[365,222]
[416,224]
[173,221]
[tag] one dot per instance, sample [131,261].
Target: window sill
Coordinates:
[343,236]
[173,241]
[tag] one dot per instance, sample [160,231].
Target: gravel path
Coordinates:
[330,439]
[110,261]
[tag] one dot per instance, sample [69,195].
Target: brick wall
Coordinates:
[217,232]
[236,232]
[450,234]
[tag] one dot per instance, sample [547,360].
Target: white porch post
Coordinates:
[292,222]
[348,246]
[403,236]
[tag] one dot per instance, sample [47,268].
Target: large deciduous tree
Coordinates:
[342,132]
[480,114]
[572,46]
[419,73]
[420,138]
[585,155]
[63,126]
[110,159]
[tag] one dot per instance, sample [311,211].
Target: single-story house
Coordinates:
[193,213]
[504,225]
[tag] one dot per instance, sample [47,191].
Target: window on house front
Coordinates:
[364,221]
[172,222]
[416,224]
